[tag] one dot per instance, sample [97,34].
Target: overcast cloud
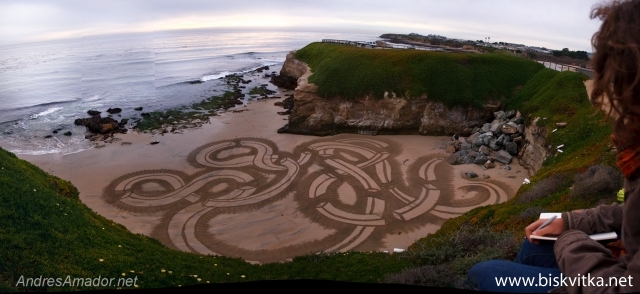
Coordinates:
[552,24]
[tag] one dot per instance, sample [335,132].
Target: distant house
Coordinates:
[539,50]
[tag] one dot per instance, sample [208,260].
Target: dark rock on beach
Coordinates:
[67,133]
[114,110]
[138,109]
[97,124]
[284,81]
[93,112]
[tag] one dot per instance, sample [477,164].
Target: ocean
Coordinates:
[45,86]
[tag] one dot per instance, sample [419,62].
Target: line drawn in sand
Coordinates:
[351,185]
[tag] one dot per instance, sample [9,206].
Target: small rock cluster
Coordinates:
[498,141]
[102,125]
[287,104]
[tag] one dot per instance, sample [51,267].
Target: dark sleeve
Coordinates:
[602,219]
[577,254]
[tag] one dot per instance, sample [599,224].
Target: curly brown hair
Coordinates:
[616,63]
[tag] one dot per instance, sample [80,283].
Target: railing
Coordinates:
[565,67]
[350,43]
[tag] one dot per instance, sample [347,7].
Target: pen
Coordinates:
[547,222]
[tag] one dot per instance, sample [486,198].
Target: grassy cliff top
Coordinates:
[451,78]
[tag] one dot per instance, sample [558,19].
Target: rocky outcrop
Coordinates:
[534,150]
[315,115]
[101,125]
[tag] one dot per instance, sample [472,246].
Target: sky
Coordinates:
[544,23]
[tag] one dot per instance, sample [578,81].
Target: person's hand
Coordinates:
[556,227]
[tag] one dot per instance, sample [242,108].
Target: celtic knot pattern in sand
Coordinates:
[352,186]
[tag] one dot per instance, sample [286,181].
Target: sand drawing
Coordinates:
[350,189]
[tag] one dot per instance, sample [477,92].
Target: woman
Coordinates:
[574,254]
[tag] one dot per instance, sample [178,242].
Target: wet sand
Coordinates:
[236,187]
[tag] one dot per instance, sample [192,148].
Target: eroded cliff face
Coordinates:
[315,115]
[534,150]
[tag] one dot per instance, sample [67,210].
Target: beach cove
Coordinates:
[237,188]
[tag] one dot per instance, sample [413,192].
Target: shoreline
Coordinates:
[281,227]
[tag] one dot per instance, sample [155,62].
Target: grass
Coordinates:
[451,78]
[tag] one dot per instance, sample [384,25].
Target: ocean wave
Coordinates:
[48,111]
[263,63]
[43,104]
[40,146]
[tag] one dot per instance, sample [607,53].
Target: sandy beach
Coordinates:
[236,187]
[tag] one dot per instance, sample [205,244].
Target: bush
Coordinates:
[598,179]
[532,212]
[450,257]
[467,241]
[544,187]
[442,275]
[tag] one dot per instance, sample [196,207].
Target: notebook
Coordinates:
[597,237]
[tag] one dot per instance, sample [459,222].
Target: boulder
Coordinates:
[485,150]
[493,144]
[512,148]
[488,164]
[480,159]
[468,159]
[495,127]
[473,137]
[486,128]
[138,109]
[518,120]
[471,174]
[503,157]
[114,110]
[93,112]
[509,128]
[520,128]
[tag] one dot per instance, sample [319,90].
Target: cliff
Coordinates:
[316,115]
